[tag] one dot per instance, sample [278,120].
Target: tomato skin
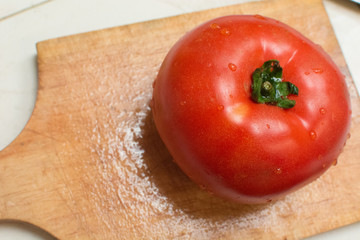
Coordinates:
[236,148]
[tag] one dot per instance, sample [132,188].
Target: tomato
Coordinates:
[231,145]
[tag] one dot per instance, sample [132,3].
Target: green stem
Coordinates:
[267,86]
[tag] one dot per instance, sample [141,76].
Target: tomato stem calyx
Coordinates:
[267,86]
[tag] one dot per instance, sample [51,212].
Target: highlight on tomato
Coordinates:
[250,109]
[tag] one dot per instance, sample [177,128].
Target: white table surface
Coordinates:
[25,22]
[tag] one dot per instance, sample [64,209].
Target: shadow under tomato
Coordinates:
[179,190]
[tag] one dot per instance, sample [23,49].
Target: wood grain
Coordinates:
[90,164]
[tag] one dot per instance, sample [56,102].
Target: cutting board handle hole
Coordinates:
[26,94]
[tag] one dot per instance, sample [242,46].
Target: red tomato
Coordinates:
[231,145]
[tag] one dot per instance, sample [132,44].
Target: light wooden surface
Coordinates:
[90,164]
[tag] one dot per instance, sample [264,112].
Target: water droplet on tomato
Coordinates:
[312,134]
[220,107]
[182,103]
[278,171]
[324,165]
[202,186]
[306,73]
[268,126]
[225,31]
[232,67]
[231,96]
[322,111]
[317,70]
[214,26]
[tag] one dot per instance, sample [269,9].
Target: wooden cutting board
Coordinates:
[90,163]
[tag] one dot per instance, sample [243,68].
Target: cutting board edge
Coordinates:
[40,46]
